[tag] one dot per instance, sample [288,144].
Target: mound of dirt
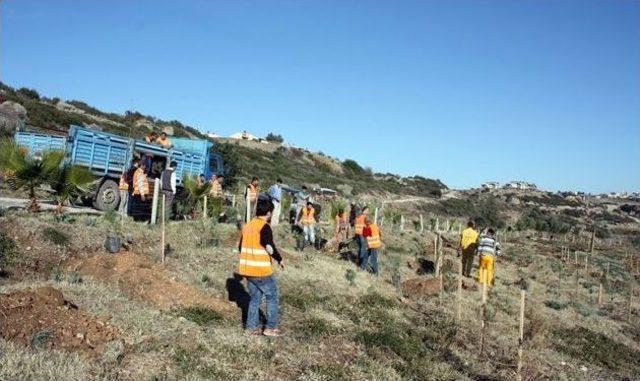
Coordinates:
[142,280]
[42,318]
[417,287]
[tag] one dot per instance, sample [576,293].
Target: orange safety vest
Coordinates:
[308,216]
[137,175]
[254,259]
[359,225]
[216,189]
[252,192]
[374,242]
[341,221]
[123,185]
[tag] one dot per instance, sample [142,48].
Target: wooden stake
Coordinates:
[204,208]
[575,290]
[483,311]
[630,310]
[375,216]
[248,216]
[521,338]
[162,241]
[154,205]
[421,224]
[402,222]
[575,253]
[435,250]
[233,201]
[459,294]
[586,264]
[437,229]
[600,289]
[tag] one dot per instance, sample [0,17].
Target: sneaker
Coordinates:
[271,332]
[252,332]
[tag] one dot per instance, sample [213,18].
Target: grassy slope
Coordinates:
[335,330]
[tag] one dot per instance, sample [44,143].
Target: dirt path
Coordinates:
[42,318]
[142,280]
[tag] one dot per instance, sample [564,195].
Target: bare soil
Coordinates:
[140,279]
[42,318]
[418,287]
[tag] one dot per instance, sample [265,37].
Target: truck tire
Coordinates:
[108,196]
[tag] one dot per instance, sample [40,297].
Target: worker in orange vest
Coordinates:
[371,233]
[216,186]
[359,224]
[308,222]
[140,182]
[257,252]
[342,225]
[123,187]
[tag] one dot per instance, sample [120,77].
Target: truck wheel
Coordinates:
[108,196]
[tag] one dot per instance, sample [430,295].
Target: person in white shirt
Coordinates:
[168,187]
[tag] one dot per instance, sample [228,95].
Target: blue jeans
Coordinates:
[362,250]
[371,258]
[259,286]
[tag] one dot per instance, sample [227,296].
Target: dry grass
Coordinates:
[335,329]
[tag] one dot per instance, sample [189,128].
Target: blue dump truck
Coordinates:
[108,155]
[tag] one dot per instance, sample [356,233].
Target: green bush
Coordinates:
[273,138]
[200,315]
[8,249]
[538,220]
[55,236]
[597,349]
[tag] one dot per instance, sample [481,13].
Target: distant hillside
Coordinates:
[244,159]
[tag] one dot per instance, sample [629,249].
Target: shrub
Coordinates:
[556,305]
[55,236]
[536,219]
[200,315]
[596,349]
[313,326]
[273,138]
[28,93]
[353,166]
[8,249]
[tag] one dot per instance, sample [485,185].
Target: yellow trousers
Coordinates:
[485,272]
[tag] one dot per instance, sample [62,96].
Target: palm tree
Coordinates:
[26,172]
[23,171]
[69,181]
[195,192]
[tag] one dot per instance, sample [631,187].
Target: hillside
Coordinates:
[69,310]
[244,159]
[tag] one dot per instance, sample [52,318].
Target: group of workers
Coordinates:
[484,246]
[134,187]
[257,250]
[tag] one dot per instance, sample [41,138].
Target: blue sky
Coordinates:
[464,91]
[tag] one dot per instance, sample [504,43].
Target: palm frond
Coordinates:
[12,156]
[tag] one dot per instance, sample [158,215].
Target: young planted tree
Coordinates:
[24,172]
[28,173]
[195,195]
[69,181]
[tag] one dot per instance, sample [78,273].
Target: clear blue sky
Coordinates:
[464,91]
